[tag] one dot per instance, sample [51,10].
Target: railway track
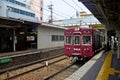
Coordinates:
[40,70]
[58,72]
[42,62]
[65,71]
[27,64]
[25,58]
[60,64]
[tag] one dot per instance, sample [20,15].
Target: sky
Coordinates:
[62,9]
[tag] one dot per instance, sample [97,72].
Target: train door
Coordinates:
[68,45]
[76,44]
[87,45]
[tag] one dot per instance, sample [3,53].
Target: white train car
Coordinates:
[17,10]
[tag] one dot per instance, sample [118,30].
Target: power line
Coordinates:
[51,11]
[77,5]
[49,17]
[69,5]
[55,13]
[46,14]
[61,15]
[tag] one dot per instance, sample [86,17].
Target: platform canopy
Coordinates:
[106,11]
[97,26]
[13,23]
[86,19]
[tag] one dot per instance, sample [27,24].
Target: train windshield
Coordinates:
[68,40]
[77,40]
[87,40]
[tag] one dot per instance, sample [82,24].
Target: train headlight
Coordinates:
[77,49]
[84,49]
[68,48]
[74,48]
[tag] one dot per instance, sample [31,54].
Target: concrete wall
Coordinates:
[36,6]
[44,37]
[7,12]
[22,17]
[3,9]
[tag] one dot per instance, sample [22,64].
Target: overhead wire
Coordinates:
[77,5]
[55,13]
[60,15]
[49,15]
[69,5]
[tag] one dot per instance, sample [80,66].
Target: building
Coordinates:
[18,23]
[17,9]
[37,7]
[21,30]
[50,37]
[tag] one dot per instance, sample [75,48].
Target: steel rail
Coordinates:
[27,64]
[9,78]
[51,76]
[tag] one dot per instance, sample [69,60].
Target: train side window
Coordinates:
[86,40]
[68,40]
[77,40]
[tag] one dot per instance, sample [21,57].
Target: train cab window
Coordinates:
[86,40]
[68,40]
[77,40]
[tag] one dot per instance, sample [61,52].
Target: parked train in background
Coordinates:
[82,43]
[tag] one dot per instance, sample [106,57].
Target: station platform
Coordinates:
[26,52]
[103,66]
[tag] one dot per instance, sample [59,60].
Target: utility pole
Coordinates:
[80,23]
[51,11]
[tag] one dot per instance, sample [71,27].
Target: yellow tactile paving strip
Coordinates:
[106,68]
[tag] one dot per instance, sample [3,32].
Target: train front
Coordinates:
[68,42]
[78,43]
[87,42]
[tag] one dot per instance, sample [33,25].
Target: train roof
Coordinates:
[78,29]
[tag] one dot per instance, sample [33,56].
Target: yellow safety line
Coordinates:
[106,68]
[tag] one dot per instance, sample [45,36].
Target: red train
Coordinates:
[82,43]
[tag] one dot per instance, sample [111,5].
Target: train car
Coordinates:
[82,43]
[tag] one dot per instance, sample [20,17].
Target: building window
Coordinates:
[9,9]
[61,38]
[12,1]
[21,12]
[57,38]
[41,18]
[54,38]
[41,9]
[16,2]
